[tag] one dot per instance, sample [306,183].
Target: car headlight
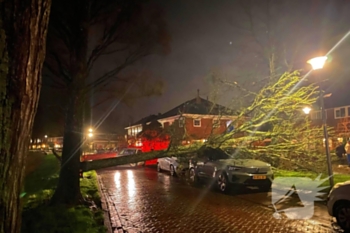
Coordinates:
[234,168]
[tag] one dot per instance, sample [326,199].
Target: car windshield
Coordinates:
[213,153]
[235,153]
[232,152]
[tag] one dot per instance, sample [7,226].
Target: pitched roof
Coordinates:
[198,106]
[146,119]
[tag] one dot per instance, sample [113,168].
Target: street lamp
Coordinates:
[90,135]
[318,63]
[306,110]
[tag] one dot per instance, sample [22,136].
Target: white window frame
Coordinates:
[339,109]
[216,123]
[200,122]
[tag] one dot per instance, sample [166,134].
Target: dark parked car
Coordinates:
[131,151]
[226,170]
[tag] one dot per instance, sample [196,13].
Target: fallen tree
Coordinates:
[276,116]
[122,160]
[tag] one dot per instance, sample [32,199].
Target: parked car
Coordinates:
[226,170]
[338,204]
[131,151]
[167,164]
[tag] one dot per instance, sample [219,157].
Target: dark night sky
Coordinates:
[204,39]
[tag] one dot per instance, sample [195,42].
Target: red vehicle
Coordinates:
[99,155]
[151,145]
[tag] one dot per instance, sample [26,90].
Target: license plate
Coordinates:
[259,177]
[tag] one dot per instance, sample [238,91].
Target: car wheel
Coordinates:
[342,214]
[158,168]
[223,185]
[193,177]
[172,170]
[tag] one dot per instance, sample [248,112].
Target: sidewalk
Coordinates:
[112,219]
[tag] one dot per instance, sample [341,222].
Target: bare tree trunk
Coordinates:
[23,27]
[68,189]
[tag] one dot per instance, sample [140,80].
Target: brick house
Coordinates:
[338,118]
[193,120]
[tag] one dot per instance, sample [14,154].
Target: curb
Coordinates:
[112,219]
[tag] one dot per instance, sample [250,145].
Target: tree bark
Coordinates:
[68,188]
[23,27]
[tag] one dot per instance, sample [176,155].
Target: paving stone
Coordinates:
[147,201]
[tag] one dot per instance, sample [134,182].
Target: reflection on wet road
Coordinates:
[147,201]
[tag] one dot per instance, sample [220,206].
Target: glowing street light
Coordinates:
[318,63]
[306,110]
[45,136]
[90,130]
[90,135]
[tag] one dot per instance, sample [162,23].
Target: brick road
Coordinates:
[142,200]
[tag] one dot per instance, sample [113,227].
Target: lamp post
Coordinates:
[318,63]
[307,110]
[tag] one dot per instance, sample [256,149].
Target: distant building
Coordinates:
[107,141]
[46,143]
[97,141]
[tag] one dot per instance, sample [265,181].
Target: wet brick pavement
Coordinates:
[142,200]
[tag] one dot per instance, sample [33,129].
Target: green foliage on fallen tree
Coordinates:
[275,129]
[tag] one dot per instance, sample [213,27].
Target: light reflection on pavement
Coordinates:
[147,201]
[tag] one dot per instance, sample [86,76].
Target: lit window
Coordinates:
[197,122]
[216,123]
[316,115]
[181,122]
